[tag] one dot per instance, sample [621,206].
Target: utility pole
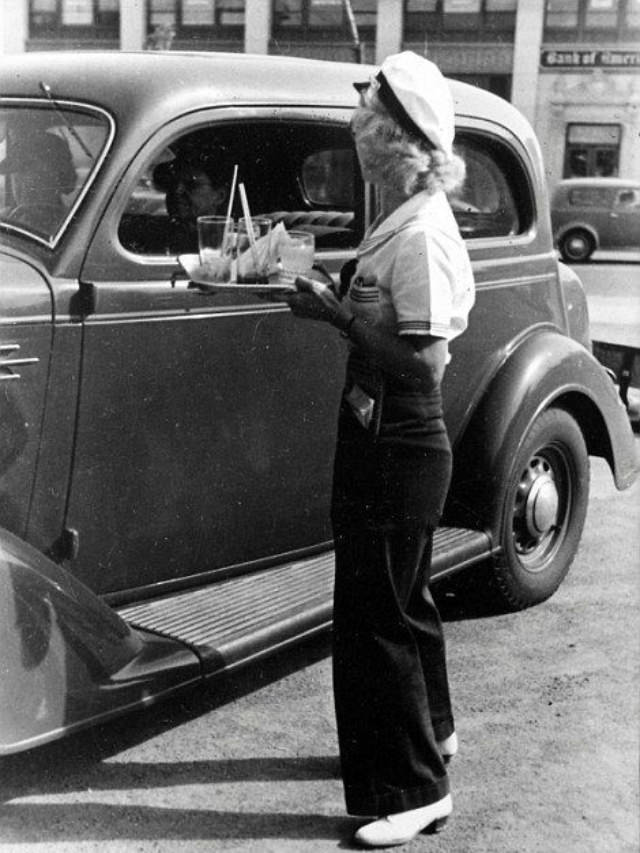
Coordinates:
[353,26]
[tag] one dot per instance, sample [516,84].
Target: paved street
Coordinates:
[612,285]
[547,709]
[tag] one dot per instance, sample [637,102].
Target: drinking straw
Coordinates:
[230,205]
[249,225]
[233,191]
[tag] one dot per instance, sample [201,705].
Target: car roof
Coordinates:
[150,86]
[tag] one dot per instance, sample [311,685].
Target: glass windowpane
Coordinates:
[162,12]
[594,134]
[77,13]
[602,14]
[421,5]
[456,7]
[632,17]
[562,14]
[606,162]
[43,13]
[288,13]
[325,13]
[198,13]
[232,13]
[461,14]
[485,206]
[365,12]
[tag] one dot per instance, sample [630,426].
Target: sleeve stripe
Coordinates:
[423,327]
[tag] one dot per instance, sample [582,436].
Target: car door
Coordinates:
[515,273]
[205,424]
[25,347]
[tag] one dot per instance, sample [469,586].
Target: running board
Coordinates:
[236,620]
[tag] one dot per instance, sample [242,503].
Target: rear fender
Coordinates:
[575,303]
[546,369]
[68,660]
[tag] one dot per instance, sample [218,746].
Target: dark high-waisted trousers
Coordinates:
[390,679]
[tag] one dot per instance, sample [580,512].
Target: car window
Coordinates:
[589,196]
[494,199]
[628,198]
[46,156]
[328,178]
[303,174]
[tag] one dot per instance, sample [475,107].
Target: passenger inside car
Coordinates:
[196,183]
[313,188]
[161,217]
[40,172]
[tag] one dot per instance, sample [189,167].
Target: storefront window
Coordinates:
[592,150]
[198,13]
[632,17]
[311,18]
[562,14]
[68,17]
[461,15]
[325,13]
[601,15]
[589,20]
[215,17]
[473,20]
[162,13]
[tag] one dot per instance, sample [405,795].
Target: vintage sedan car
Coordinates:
[166,452]
[588,214]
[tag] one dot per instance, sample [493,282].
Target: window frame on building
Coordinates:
[57,21]
[459,20]
[587,21]
[227,18]
[595,151]
[364,14]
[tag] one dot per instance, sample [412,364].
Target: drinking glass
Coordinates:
[215,242]
[253,260]
[297,253]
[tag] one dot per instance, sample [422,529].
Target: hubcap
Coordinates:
[576,245]
[536,512]
[541,507]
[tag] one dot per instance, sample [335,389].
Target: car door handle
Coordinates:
[8,364]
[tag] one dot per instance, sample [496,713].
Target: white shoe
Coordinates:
[403,826]
[448,747]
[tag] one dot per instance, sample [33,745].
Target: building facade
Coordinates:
[571,66]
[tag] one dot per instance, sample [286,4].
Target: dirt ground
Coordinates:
[547,705]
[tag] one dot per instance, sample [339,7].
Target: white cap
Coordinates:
[416,94]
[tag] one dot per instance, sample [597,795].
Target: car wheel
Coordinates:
[544,507]
[577,245]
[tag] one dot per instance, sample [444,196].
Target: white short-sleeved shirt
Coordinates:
[414,275]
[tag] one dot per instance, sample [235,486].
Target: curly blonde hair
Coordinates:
[402,160]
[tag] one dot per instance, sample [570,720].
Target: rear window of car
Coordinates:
[495,199]
[303,174]
[47,155]
[628,198]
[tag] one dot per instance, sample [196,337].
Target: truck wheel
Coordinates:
[545,503]
[576,246]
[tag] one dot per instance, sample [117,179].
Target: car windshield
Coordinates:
[47,154]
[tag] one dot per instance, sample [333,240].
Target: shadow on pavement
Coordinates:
[82,761]
[469,594]
[26,823]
